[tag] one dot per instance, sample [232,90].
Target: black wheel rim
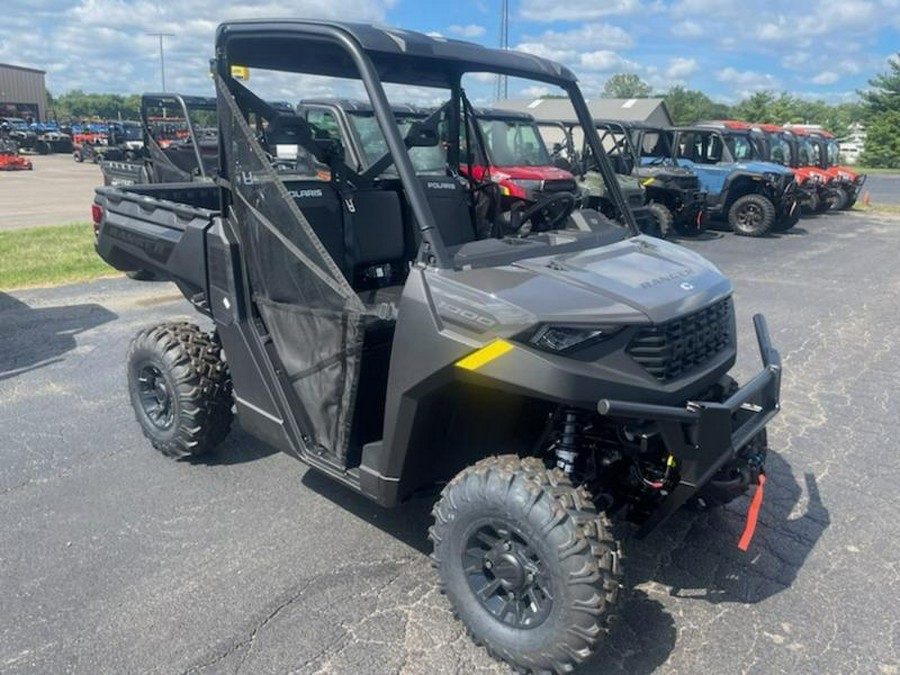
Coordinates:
[156,397]
[750,216]
[507,576]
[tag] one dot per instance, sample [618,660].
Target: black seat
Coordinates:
[320,204]
[450,205]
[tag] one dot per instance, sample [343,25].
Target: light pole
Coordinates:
[162,56]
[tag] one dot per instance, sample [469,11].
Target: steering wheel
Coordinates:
[555,208]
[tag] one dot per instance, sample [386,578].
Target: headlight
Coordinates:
[561,339]
[771,176]
[527,184]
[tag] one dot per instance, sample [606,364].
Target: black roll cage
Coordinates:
[182,103]
[375,55]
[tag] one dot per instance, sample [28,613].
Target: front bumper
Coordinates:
[704,436]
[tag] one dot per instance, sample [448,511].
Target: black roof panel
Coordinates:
[402,56]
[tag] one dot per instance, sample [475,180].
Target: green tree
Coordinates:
[883,141]
[883,94]
[757,108]
[687,106]
[626,85]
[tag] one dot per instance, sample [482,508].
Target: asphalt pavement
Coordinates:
[114,559]
[58,191]
[883,188]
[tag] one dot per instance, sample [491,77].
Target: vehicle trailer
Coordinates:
[172,149]
[751,196]
[550,383]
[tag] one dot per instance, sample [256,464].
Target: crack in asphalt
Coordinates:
[249,642]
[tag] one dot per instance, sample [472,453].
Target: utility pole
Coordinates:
[162,56]
[502,83]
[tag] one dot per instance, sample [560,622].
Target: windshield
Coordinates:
[131,132]
[834,153]
[514,143]
[779,149]
[740,146]
[809,152]
[429,159]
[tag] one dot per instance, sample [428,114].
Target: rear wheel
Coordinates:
[180,388]
[527,563]
[813,205]
[664,218]
[752,215]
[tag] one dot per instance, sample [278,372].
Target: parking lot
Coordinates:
[114,559]
[56,192]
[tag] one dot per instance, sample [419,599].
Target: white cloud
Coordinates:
[826,77]
[547,52]
[607,61]
[687,29]
[102,46]
[747,80]
[680,68]
[471,30]
[541,11]
[589,36]
[534,92]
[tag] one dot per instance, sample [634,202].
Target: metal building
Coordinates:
[22,92]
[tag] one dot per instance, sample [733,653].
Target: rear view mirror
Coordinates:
[422,135]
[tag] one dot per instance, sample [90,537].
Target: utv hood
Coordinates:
[764,167]
[640,280]
[532,172]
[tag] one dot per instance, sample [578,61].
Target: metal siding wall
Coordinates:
[23,86]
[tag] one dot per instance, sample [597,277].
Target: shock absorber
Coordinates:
[567,447]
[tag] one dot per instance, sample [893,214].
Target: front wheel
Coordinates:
[664,218]
[752,215]
[180,388]
[527,563]
[839,199]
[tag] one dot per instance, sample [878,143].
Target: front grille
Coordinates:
[673,349]
[559,185]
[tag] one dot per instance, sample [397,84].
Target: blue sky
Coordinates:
[728,49]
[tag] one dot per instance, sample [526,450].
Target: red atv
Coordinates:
[847,184]
[10,159]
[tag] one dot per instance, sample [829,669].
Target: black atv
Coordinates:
[548,382]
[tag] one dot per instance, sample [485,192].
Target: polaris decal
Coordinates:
[302,194]
[434,185]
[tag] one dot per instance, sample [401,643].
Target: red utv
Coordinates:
[786,146]
[10,159]
[507,150]
[849,183]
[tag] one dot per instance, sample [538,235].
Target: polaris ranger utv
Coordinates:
[673,193]
[550,381]
[173,149]
[567,154]
[750,196]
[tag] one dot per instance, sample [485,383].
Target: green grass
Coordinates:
[48,256]
[869,171]
[878,208]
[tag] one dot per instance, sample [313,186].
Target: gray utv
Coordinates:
[379,327]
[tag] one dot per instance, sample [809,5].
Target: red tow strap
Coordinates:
[752,515]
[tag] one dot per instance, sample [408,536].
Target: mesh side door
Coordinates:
[312,313]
